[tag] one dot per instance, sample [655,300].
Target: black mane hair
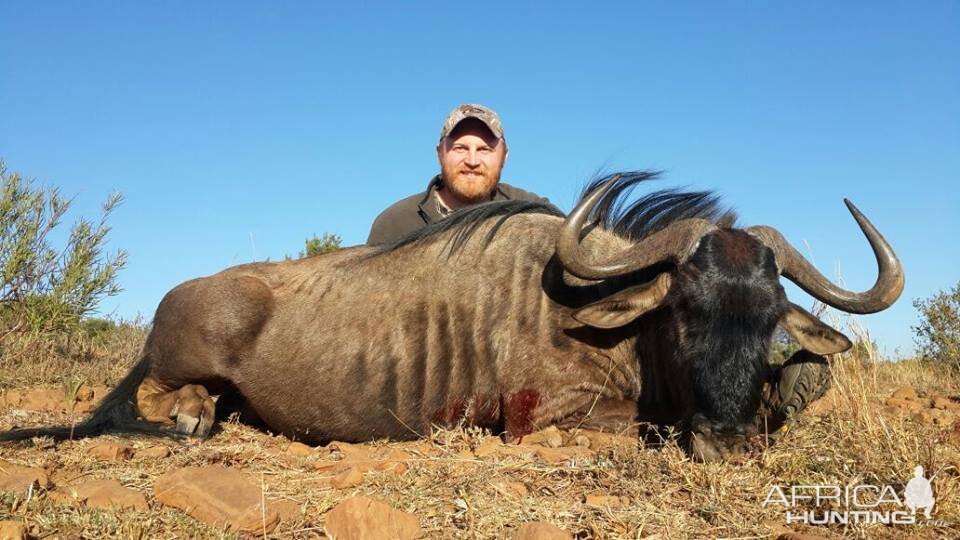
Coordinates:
[632,220]
[466,221]
[655,210]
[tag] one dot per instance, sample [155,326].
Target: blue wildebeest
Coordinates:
[507,316]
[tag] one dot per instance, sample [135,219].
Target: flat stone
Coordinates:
[152,452]
[488,447]
[581,440]
[905,392]
[606,501]
[945,404]
[352,451]
[519,451]
[19,479]
[298,449]
[903,404]
[550,437]
[560,455]
[12,530]
[600,440]
[106,494]
[43,399]
[362,518]
[514,488]
[287,510]
[110,451]
[219,496]
[349,478]
[538,530]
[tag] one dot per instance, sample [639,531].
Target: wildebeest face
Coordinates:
[721,295]
[724,302]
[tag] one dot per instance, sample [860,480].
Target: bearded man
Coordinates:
[472,151]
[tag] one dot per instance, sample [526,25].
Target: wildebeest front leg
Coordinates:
[608,415]
[191,406]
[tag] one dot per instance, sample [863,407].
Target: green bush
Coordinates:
[325,243]
[43,288]
[938,334]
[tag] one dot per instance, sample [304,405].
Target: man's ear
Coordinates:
[812,334]
[625,306]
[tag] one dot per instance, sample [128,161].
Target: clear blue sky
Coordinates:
[235,130]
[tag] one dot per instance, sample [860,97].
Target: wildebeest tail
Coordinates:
[117,412]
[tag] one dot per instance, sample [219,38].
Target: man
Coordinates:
[472,151]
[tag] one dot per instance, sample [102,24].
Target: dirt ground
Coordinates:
[877,423]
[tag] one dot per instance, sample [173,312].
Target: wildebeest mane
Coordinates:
[467,220]
[614,212]
[653,211]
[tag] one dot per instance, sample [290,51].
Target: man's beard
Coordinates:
[470,189]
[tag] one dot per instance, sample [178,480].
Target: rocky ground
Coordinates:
[874,426]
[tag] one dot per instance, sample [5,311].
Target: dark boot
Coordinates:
[800,381]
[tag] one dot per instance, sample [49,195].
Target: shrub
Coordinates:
[938,334]
[43,288]
[325,243]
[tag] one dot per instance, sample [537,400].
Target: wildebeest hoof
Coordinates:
[194,410]
[709,444]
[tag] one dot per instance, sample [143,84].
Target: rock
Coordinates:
[88,397]
[153,452]
[606,501]
[10,397]
[600,440]
[934,417]
[351,451]
[550,438]
[84,393]
[12,530]
[560,455]
[581,440]
[945,404]
[538,530]
[395,462]
[106,494]
[896,405]
[43,399]
[520,451]
[488,447]
[799,536]
[362,518]
[349,478]
[298,449]
[111,451]
[19,479]
[424,448]
[514,488]
[218,496]
[393,467]
[905,392]
[287,510]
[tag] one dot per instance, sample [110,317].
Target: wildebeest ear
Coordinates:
[625,306]
[812,334]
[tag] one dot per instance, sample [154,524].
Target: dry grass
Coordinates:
[847,440]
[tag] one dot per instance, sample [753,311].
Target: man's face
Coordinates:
[471,159]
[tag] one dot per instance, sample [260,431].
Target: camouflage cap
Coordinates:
[489,118]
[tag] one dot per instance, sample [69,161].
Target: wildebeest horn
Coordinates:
[674,243]
[797,269]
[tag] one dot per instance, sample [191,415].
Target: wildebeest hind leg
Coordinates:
[191,406]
